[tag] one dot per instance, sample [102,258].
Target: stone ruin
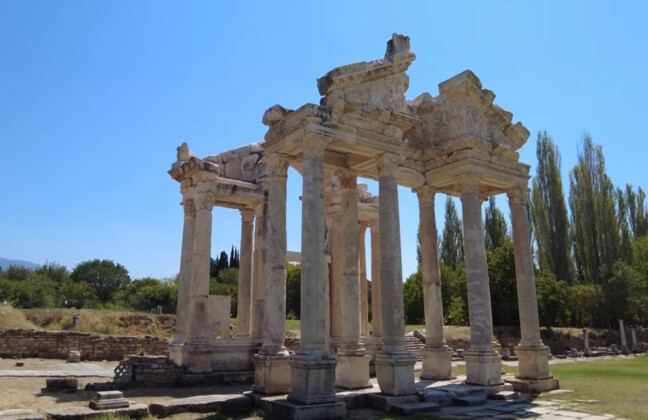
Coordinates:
[457,143]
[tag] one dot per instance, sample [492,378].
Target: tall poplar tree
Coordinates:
[451,252]
[594,221]
[495,228]
[549,212]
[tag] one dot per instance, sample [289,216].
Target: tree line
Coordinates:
[591,263]
[104,284]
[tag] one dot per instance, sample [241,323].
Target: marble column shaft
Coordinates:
[525,277]
[245,274]
[391,272]
[183,309]
[201,264]
[376,310]
[275,272]
[313,333]
[479,303]
[336,267]
[258,268]
[350,285]
[433,304]
[362,267]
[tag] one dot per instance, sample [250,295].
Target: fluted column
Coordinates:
[313,339]
[272,373]
[258,268]
[245,274]
[437,356]
[376,301]
[353,368]
[533,356]
[362,266]
[200,265]
[313,368]
[483,365]
[394,365]
[183,308]
[275,274]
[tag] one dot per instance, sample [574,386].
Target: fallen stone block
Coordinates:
[105,400]
[74,357]
[135,411]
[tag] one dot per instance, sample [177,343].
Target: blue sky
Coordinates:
[95,97]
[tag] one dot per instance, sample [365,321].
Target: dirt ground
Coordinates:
[28,393]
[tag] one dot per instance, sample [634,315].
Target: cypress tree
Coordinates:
[451,253]
[495,229]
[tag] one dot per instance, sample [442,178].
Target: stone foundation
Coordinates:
[58,345]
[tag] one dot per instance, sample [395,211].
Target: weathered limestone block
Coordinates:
[54,384]
[233,169]
[74,357]
[218,313]
[105,400]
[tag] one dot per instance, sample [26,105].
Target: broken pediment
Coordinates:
[463,116]
[380,83]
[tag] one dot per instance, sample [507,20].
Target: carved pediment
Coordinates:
[463,116]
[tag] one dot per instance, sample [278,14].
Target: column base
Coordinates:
[313,378]
[352,372]
[531,386]
[271,374]
[483,367]
[533,362]
[197,353]
[395,373]
[437,363]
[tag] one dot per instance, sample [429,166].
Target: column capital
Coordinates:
[276,165]
[518,195]
[374,226]
[189,207]
[425,195]
[313,147]
[388,163]
[469,184]
[204,201]
[247,215]
[362,227]
[348,178]
[259,209]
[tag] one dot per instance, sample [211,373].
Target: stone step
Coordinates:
[414,408]
[470,400]
[20,414]
[82,413]
[505,396]
[227,403]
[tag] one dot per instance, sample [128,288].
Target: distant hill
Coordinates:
[5,263]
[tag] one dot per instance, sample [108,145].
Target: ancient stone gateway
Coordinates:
[458,143]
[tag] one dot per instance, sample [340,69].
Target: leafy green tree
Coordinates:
[585,302]
[413,299]
[625,235]
[595,230]
[549,212]
[553,300]
[501,276]
[454,295]
[451,248]
[104,276]
[293,291]
[637,214]
[75,294]
[147,293]
[495,228]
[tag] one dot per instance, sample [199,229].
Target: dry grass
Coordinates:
[102,322]
[12,318]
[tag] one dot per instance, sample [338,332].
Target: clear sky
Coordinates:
[96,96]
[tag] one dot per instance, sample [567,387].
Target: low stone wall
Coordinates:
[57,345]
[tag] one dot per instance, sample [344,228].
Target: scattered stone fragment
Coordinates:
[67,384]
[74,357]
[105,400]
[20,414]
